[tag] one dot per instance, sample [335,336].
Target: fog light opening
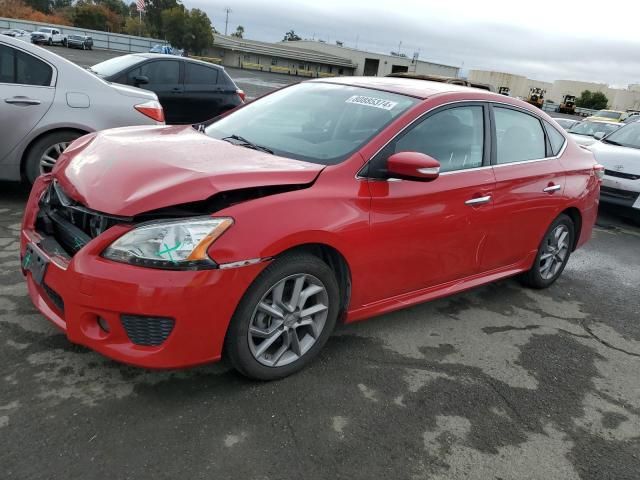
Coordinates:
[104,325]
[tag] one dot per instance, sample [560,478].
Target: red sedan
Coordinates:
[327,201]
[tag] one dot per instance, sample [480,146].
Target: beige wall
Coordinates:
[518,85]
[386,62]
[572,87]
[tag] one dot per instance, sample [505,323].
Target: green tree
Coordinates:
[174,25]
[153,14]
[91,16]
[199,30]
[291,36]
[239,32]
[593,100]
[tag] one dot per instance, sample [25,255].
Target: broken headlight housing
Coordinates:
[172,245]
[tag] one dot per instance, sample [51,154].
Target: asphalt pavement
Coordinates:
[500,382]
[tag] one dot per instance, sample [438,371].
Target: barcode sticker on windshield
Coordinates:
[372,102]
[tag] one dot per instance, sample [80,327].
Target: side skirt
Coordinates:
[438,291]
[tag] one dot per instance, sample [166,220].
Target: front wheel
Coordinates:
[553,254]
[49,42]
[284,318]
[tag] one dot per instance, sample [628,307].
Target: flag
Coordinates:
[140,5]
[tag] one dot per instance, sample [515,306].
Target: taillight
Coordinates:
[151,109]
[599,171]
[241,94]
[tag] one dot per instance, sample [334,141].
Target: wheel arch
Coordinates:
[576,217]
[34,140]
[338,263]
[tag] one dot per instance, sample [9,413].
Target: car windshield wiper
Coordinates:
[246,143]
[612,142]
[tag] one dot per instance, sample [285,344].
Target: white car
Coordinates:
[47,102]
[589,132]
[49,36]
[17,33]
[619,153]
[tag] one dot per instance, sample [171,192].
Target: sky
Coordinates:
[542,39]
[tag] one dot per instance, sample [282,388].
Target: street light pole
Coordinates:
[226,22]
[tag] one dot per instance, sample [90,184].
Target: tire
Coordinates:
[545,271]
[64,42]
[84,46]
[36,151]
[49,42]
[241,348]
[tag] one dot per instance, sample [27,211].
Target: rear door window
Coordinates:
[555,138]
[519,136]
[200,75]
[23,69]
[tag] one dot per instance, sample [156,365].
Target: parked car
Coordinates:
[80,41]
[323,202]
[609,116]
[164,49]
[566,123]
[17,33]
[190,91]
[632,118]
[589,132]
[619,153]
[49,102]
[49,36]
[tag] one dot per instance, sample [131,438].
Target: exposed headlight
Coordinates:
[173,245]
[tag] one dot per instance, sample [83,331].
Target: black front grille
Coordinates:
[628,176]
[71,224]
[616,192]
[55,298]
[147,331]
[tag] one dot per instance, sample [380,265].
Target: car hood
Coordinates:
[614,157]
[583,140]
[133,170]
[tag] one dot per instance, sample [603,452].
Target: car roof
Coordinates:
[412,87]
[185,59]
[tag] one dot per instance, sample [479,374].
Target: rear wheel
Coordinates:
[553,254]
[44,153]
[284,319]
[49,42]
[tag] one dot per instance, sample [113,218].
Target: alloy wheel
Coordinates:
[288,320]
[555,252]
[51,155]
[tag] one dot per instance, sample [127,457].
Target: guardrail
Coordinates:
[105,40]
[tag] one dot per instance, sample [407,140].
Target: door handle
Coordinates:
[177,90]
[552,188]
[22,101]
[478,201]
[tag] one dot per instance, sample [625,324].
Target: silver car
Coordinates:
[46,102]
[619,153]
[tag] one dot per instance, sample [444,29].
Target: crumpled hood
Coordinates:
[132,170]
[614,157]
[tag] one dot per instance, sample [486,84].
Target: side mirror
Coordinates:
[140,80]
[599,135]
[413,166]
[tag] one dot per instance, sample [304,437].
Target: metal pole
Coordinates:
[226,22]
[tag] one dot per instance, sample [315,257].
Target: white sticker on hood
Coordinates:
[372,102]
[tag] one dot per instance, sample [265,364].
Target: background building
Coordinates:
[518,85]
[277,57]
[375,64]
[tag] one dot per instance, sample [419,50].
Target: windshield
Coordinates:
[628,136]
[591,128]
[608,114]
[316,122]
[115,65]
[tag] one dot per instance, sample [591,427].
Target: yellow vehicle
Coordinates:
[609,115]
[568,104]
[536,96]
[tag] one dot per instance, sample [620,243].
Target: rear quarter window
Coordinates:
[201,75]
[555,138]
